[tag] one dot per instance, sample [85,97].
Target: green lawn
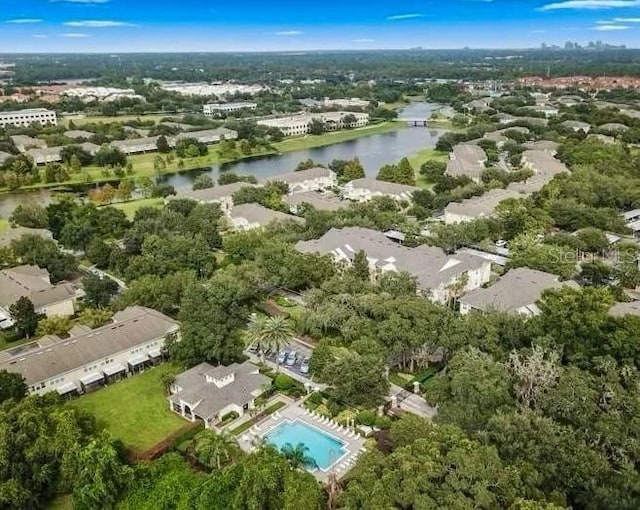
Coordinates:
[421,157]
[4,225]
[135,410]
[130,208]
[311,141]
[118,118]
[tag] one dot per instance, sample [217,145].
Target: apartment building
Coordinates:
[297,125]
[89,358]
[24,118]
[217,109]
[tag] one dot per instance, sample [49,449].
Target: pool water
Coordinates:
[324,448]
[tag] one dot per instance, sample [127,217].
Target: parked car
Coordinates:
[292,358]
[282,356]
[304,366]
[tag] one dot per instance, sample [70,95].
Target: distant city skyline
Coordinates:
[285,25]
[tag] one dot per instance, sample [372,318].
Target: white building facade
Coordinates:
[24,118]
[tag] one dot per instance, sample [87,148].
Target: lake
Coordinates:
[374,152]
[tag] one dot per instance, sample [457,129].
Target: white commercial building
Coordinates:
[214,109]
[24,118]
[297,125]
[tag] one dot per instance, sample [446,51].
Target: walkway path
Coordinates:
[411,402]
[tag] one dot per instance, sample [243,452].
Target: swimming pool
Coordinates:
[324,448]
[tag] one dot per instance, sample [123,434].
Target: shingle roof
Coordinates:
[482,206]
[466,159]
[375,185]
[622,309]
[430,265]
[256,213]
[301,176]
[519,288]
[16,233]
[214,194]
[320,201]
[33,283]
[134,326]
[545,168]
[206,399]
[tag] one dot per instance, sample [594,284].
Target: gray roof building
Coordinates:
[545,168]
[207,135]
[622,309]
[4,156]
[214,194]
[12,234]
[78,134]
[45,155]
[248,216]
[55,356]
[209,392]
[468,160]
[479,207]
[134,145]
[516,292]
[24,142]
[383,187]
[576,125]
[33,283]
[542,145]
[317,172]
[319,201]
[431,266]
[613,127]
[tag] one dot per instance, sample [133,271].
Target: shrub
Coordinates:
[367,417]
[316,398]
[283,382]
[382,422]
[335,408]
[229,417]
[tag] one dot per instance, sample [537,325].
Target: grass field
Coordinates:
[421,157]
[135,410]
[311,141]
[4,225]
[78,121]
[130,208]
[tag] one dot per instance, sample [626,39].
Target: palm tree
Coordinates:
[212,449]
[297,456]
[269,333]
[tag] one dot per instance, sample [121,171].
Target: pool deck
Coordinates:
[353,442]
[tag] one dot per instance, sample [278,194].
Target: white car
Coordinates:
[292,358]
[304,366]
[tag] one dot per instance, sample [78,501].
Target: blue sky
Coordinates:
[251,25]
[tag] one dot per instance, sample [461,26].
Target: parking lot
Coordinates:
[302,351]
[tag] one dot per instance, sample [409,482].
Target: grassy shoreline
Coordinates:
[143,163]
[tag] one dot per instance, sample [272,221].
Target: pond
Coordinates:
[374,152]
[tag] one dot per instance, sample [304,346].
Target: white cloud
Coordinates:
[75,35]
[590,4]
[611,28]
[626,20]
[396,17]
[364,40]
[39,36]
[538,31]
[289,32]
[99,24]
[24,21]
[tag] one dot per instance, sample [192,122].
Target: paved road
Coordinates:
[103,274]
